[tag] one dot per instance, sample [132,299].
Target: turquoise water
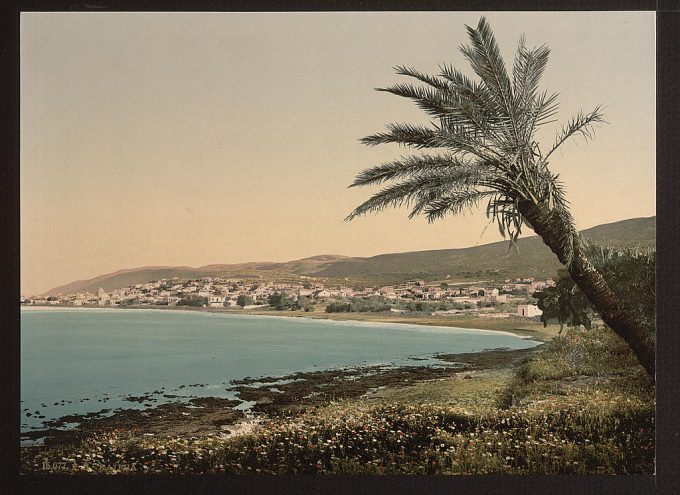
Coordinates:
[80,360]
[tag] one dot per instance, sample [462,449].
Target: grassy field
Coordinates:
[579,405]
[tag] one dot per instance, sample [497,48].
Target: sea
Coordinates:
[78,361]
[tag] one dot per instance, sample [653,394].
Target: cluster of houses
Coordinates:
[219,292]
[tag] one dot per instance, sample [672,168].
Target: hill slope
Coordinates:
[493,260]
[489,261]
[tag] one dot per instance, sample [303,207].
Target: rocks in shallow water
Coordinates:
[213,402]
[203,415]
[137,398]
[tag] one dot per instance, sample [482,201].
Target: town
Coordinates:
[494,300]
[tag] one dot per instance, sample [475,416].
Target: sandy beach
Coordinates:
[523,327]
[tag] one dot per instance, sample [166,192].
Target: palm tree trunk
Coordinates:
[550,227]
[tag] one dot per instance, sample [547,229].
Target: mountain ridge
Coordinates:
[490,260]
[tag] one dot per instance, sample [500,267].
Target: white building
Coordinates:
[103,298]
[322,294]
[528,310]
[216,301]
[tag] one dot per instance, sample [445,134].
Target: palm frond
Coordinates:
[450,184]
[459,139]
[405,134]
[487,62]
[579,124]
[476,106]
[465,90]
[504,211]
[408,166]
[454,203]
[532,109]
[431,101]
[544,109]
[527,71]
[421,189]
[425,78]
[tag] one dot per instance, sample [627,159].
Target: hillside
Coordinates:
[489,261]
[493,260]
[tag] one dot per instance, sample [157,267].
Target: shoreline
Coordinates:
[218,417]
[218,411]
[531,329]
[526,412]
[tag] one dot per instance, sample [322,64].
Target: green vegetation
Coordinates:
[372,304]
[193,301]
[484,136]
[244,300]
[281,302]
[581,361]
[580,405]
[339,307]
[629,272]
[380,304]
[564,302]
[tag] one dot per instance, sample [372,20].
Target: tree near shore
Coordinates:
[630,272]
[243,300]
[484,132]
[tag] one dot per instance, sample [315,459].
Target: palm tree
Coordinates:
[484,133]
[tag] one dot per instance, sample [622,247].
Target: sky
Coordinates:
[199,138]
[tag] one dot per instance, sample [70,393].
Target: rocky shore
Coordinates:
[267,397]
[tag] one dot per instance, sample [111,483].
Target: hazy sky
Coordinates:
[190,139]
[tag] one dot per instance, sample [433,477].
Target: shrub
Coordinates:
[244,300]
[194,301]
[338,307]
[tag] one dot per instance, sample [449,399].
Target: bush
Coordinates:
[193,301]
[629,272]
[280,302]
[582,354]
[338,307]
[244,300]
